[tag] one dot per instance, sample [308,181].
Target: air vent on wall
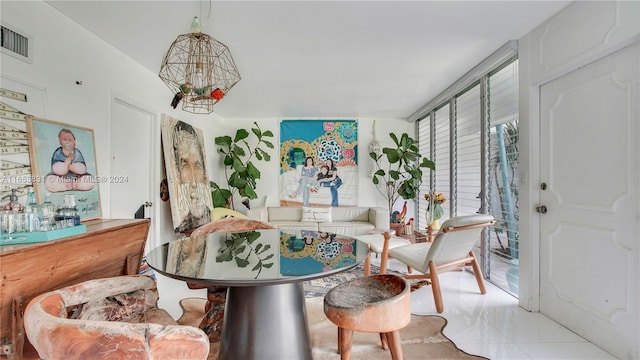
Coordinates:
[15,43]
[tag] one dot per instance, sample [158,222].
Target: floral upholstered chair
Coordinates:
[111,318]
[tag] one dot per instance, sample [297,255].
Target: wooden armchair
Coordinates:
[114,318]
[451,249]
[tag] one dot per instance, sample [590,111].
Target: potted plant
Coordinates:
[239,171]
[399,171]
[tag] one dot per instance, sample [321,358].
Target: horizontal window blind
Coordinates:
[442,158]
[424,147]
[468,152]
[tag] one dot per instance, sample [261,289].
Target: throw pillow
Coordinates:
[320,214]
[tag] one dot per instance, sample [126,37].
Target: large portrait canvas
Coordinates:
[187,175]
[63,162]
[318,163]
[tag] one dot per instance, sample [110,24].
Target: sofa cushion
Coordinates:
[319,214]
[350,213]
[349,228]
[285,213]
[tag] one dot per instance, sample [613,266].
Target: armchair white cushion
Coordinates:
[451,249]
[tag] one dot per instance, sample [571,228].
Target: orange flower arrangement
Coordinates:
[438,198]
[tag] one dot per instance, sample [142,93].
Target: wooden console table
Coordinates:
[110,247]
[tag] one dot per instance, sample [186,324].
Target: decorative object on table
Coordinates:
[379,304]
[434,209]
[306,146]
[41,236]
[63,162]
[187,175]
[409,227]
[399,170]
[240,172]
[199,70]
[452,249]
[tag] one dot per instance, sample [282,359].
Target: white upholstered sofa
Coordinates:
[345,220]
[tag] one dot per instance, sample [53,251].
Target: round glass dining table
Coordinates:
[265,313]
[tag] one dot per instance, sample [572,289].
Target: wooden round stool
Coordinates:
[375,304]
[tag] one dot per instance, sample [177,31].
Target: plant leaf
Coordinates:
[241,134]
[241,262]
[223,140]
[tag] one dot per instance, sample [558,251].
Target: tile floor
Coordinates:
[491,325]
[494,326]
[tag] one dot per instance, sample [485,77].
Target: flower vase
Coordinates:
[435,225]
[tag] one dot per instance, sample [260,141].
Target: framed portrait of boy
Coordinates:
[187,175]
[63,162]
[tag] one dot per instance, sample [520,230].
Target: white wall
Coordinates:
[65,52]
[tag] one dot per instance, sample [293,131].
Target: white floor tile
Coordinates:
[568,351]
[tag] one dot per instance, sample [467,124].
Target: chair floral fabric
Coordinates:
[111,318]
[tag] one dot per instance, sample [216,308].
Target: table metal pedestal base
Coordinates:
[265,322]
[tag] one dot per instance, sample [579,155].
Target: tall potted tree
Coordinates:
[399,170]
[240,172]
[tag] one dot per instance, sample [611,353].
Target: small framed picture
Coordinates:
[63,162]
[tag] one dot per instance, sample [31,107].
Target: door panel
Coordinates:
[589,237]
[130,160]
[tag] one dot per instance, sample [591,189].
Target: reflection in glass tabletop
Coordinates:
[257,257]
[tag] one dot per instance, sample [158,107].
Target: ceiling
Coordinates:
[349,59]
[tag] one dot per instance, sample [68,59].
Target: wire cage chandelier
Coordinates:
[199,70]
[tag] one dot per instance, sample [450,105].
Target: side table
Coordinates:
[417,237]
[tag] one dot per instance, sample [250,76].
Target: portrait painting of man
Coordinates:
[187,175]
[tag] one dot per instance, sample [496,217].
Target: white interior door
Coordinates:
[131,153]
[589,235]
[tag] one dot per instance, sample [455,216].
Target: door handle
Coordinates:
[541,209]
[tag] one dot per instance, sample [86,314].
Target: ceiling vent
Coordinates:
[15,44]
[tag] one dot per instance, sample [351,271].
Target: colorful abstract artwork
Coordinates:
[318,163]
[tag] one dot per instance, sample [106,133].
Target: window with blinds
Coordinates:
[472,136]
